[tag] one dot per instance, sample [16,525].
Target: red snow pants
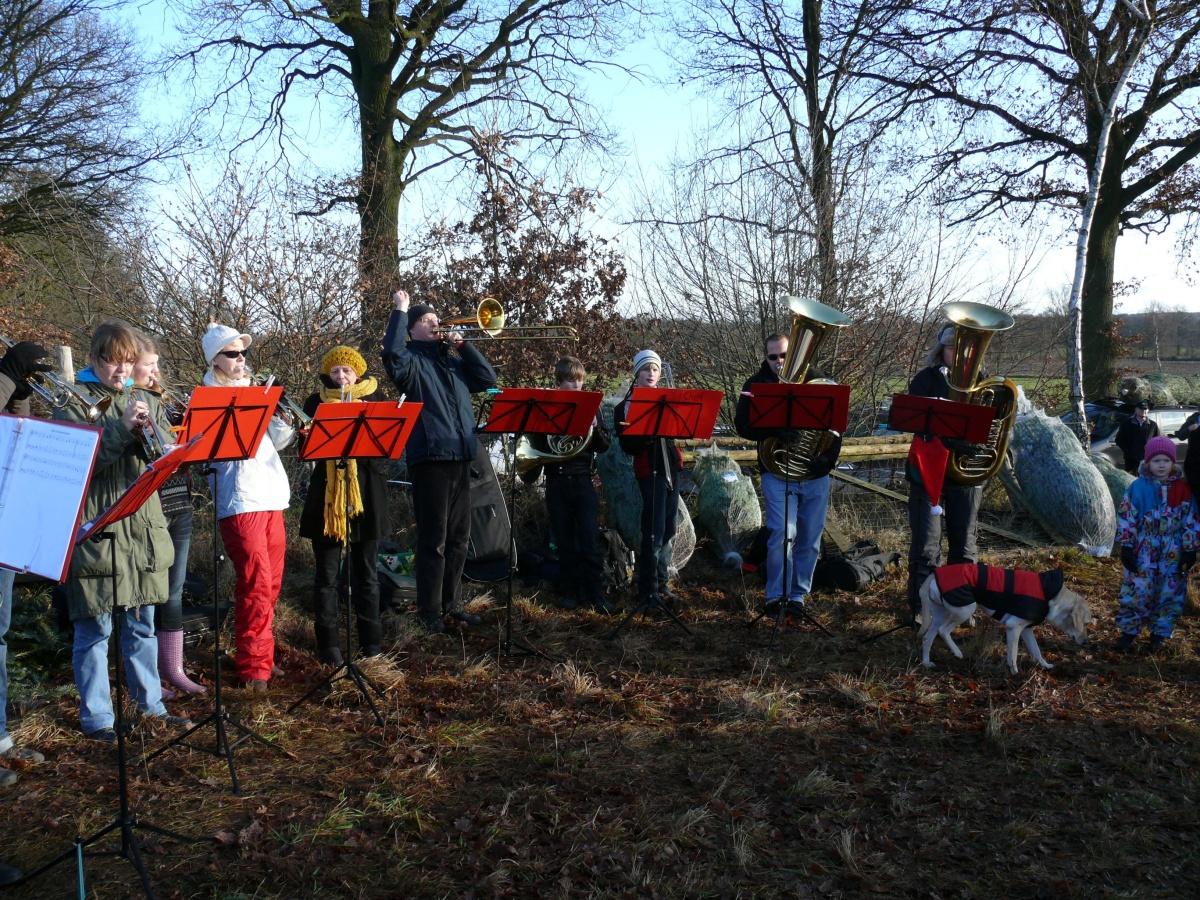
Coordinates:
[255,543]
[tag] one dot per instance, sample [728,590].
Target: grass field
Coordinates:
[662,765]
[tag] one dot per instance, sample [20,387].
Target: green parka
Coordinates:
[144,548]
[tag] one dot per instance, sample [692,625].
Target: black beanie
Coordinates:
[415,313]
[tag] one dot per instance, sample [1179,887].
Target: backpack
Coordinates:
[855,569]
[618,560]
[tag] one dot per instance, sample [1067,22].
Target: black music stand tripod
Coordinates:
[358,431]
[126,822]
[238,429]
[791,407]
[654,415]
[929,418]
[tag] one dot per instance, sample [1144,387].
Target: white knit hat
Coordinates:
[645,357]
[218,337]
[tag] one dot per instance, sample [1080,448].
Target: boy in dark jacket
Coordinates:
[574,507]
[440,450]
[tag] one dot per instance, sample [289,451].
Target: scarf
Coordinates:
[336,480]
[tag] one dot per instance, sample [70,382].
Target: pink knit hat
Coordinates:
[1160,445]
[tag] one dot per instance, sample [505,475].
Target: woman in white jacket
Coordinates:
[250,497]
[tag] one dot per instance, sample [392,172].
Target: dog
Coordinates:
[1018,600]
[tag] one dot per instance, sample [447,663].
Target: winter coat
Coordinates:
[7,404]
[650,455]
[1131,437]
[144,550]
[821,465]
[374,522]
[258,484]
[426,372]
[1191,462]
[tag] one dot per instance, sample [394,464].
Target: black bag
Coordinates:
[487,550]
[618,560]
[855,569]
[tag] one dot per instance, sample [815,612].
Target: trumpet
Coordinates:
[487,324]
[153,441]
[301,420]
[64,392]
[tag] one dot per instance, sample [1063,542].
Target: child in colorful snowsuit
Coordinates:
[1158,533]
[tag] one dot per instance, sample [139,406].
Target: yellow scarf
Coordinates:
[336,479]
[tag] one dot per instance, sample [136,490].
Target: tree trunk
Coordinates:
[380,187]
[1099,344]
[822,156]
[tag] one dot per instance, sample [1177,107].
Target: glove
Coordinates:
[966,448]
[787,435]
[20,363]
[1187,559]
[1129,560]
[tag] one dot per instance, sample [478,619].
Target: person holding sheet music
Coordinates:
[657,463]
[21,362]
[176,499]
[417,357]
[250,498]
[807,505]
[144,552]
[959,503]
[324,522]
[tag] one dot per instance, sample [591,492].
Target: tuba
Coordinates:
[811,322]
[535,451]
[974,326]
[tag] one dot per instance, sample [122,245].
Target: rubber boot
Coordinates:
[170,663]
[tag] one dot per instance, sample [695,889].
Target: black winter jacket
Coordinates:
[374,523]
[766,374]
[426,372]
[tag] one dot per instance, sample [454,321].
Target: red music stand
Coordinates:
[785,406]
[345,431]
[134,497]
[944,418]
[522,411]
[667,413]
[223,424]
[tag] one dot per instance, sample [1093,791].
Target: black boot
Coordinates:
[328,649]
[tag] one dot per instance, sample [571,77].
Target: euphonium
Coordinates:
[811,322]
[538,450]
[974,325]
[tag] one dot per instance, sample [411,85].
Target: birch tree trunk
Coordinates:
[1095,179]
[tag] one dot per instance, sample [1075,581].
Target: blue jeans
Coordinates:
[807,503]
[89,656]
[7,576]
[170,617]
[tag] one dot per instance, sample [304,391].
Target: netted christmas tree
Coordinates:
[728,508]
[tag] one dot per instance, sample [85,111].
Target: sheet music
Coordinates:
[47,466]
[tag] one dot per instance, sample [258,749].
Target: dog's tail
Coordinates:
[926,606]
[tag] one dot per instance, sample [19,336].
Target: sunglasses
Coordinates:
[232,354]
[773,357]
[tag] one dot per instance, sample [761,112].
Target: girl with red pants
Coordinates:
[250,497]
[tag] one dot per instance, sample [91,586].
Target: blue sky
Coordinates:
[655,121]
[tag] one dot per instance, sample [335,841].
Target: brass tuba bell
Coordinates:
[974,326]
[811,322]
[535,451]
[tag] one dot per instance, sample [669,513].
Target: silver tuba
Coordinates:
[811,322]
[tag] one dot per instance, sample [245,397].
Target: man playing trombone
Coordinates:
[440,450]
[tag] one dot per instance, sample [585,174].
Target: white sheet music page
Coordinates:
[44,471]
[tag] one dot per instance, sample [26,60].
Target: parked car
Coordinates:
[1106,416]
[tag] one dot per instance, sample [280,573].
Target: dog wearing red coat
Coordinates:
[1017,599]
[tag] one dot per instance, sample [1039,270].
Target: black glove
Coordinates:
[1129,560]
[788,435]
[20,363]
[1187,559]
[966,448]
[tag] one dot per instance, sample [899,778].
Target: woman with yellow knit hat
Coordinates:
[324,520]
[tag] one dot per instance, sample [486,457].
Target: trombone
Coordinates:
[174,402]
[64,392]
[301,420]
[487,324]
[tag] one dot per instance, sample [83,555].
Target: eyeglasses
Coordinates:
[232,354]
[774,357]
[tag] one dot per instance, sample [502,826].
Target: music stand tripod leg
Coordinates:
[510,646]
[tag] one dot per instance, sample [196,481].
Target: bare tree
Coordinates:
[1026,85]
[70,81]
[432,83]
